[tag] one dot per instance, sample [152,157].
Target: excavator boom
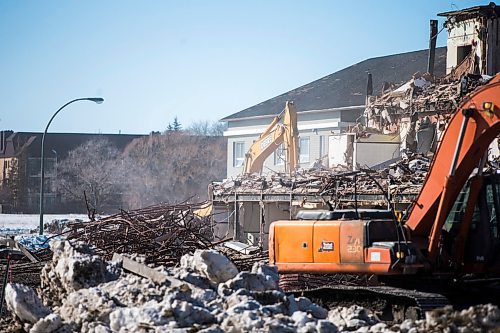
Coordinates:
[466,139]
[368,242]
[283,129]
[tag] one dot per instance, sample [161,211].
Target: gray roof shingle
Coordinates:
[347,87]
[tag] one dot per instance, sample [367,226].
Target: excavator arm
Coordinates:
[372,241]
[465,141]
[283,129]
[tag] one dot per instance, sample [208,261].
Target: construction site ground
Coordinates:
[160,269]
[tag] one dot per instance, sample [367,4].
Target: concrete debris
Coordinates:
[50,323]
[301,182]
[351,318]
[213,265]
[478,318]
[421,96]
[402,180]
[73,267]
[248,301]
[24,302]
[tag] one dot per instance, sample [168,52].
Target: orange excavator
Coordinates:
[452,230]
[282,130]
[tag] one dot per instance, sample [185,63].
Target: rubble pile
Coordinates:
[478,318]
[421,94]
[161,233]
[244,261]
[206,293]
[338,186]
[301,182]
[403,177]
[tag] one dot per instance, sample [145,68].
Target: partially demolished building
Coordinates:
[419,109]
[383,157]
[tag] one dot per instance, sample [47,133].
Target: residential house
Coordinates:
[326,108]
[330,105]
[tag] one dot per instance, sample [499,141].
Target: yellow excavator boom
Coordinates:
[283,129]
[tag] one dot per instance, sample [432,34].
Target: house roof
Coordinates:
[347,87]
[490,10]
[59,143]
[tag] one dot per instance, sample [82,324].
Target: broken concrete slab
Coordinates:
[215,266]
[24,303]
[241,247]
[145,271]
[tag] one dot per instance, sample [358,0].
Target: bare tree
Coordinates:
[94,170]
[207,128]
[172,167]
[13,192]
[6,198]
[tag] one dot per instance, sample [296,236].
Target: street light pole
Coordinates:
[97,100]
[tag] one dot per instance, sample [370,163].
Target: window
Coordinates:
[304,150]
[238,154]
[463,52]
[279,155]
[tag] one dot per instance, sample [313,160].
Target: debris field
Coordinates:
[173,276]
[423,95]
[401,182]
[81,292]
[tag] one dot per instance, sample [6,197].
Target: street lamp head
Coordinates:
[97,100]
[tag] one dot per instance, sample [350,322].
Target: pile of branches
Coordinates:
[161,234]
[243,261]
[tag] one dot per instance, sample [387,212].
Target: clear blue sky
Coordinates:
[197,60]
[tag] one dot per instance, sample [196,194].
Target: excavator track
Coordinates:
[389,304]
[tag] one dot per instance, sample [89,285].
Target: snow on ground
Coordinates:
[15,224]
[23,227]
[31,221]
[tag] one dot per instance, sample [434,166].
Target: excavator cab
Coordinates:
[474,222]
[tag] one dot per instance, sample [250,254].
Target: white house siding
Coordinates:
[311,124]
[464,33]
[375,149]
[461,34]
